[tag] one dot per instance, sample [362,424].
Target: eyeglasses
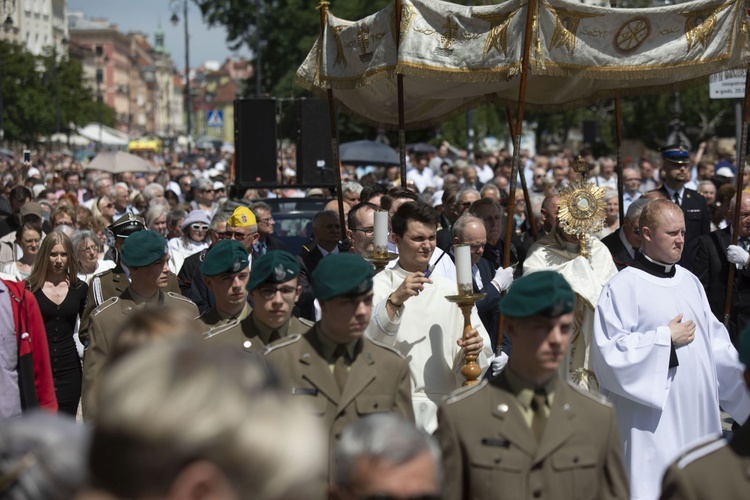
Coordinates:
[90,248]
[199,227]
[109,205]
[270,292]
[235,235]
[208,190]
[267,220]
[367,230]
[637,230]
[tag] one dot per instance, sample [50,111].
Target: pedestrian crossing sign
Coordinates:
[215,118]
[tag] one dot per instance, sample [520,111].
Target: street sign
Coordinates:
[215,118]
[727,85]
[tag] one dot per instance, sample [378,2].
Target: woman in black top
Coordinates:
[62,299]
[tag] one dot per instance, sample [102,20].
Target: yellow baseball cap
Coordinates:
[242,217]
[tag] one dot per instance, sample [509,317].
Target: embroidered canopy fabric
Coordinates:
[454,56]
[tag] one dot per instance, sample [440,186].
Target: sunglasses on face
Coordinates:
[199,227]
[236,235]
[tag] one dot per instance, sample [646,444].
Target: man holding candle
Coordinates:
[412,314]
[470,232]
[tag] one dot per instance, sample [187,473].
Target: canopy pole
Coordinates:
[526,196]
[618,148]
[618,143]
[400,90]
[738,196]
[323,6]
[530,17]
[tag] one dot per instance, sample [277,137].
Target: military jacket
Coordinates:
[244,334]
[489,451]
[105,321]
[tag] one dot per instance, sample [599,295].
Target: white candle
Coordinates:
[380,235]
[463,267]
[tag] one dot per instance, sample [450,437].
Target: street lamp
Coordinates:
[6,9]
[63,42]
[174,6]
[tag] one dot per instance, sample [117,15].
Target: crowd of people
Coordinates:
[200,358]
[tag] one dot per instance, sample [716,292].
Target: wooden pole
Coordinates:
[323,6]
[526,196]
[400,90]
[530,15]
[738,196]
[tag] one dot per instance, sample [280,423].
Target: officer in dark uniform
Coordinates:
[676,167]
[527,433]
[715,468]
[336,372]
[273,287]
[146,255]
[113,282]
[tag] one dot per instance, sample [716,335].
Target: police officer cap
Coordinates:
[743,347]
[276,266]
[341,274]
[545,292]
[226,256]
[143,248]
[676,153]
[127,225]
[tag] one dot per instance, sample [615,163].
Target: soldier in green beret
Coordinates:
[112,282]
[528,433]
[272,286]
[715,468]
[147,258]
[336,372]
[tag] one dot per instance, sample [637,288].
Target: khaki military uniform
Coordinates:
[489,450]
[379,381]
[105,321]
[712,469]
[104,286]
[245,333]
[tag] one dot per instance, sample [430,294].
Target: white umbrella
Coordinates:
[119,161]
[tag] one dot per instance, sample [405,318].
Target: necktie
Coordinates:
[274,336]
[677,198]
[539,420]
[340,371]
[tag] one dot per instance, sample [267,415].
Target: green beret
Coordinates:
[143,248]
[276,266]
[545,292]
[743,347]
[341,274]
[226,256]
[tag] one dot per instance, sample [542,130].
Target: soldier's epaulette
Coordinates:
[591,395]
[701,449]
[105,305]
[282,343]
[217,329]
[307,322]
[385,346]
[463,393]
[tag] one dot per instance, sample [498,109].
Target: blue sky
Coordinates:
[144,15]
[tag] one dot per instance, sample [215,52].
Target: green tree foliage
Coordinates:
[28,85]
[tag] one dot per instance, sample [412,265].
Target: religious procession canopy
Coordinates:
[454,56]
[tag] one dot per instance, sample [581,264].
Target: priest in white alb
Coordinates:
[661,357]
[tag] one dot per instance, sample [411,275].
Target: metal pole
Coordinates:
[258,52]
[526,196]
[618,141]
[187,76]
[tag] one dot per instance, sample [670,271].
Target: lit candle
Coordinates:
[463,268]
[380,234]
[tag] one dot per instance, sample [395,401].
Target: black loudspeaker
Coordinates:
[314,156]
[255,142]
[591,132]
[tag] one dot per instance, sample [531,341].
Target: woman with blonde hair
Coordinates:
[62,299]
[104,207]
[156,219]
